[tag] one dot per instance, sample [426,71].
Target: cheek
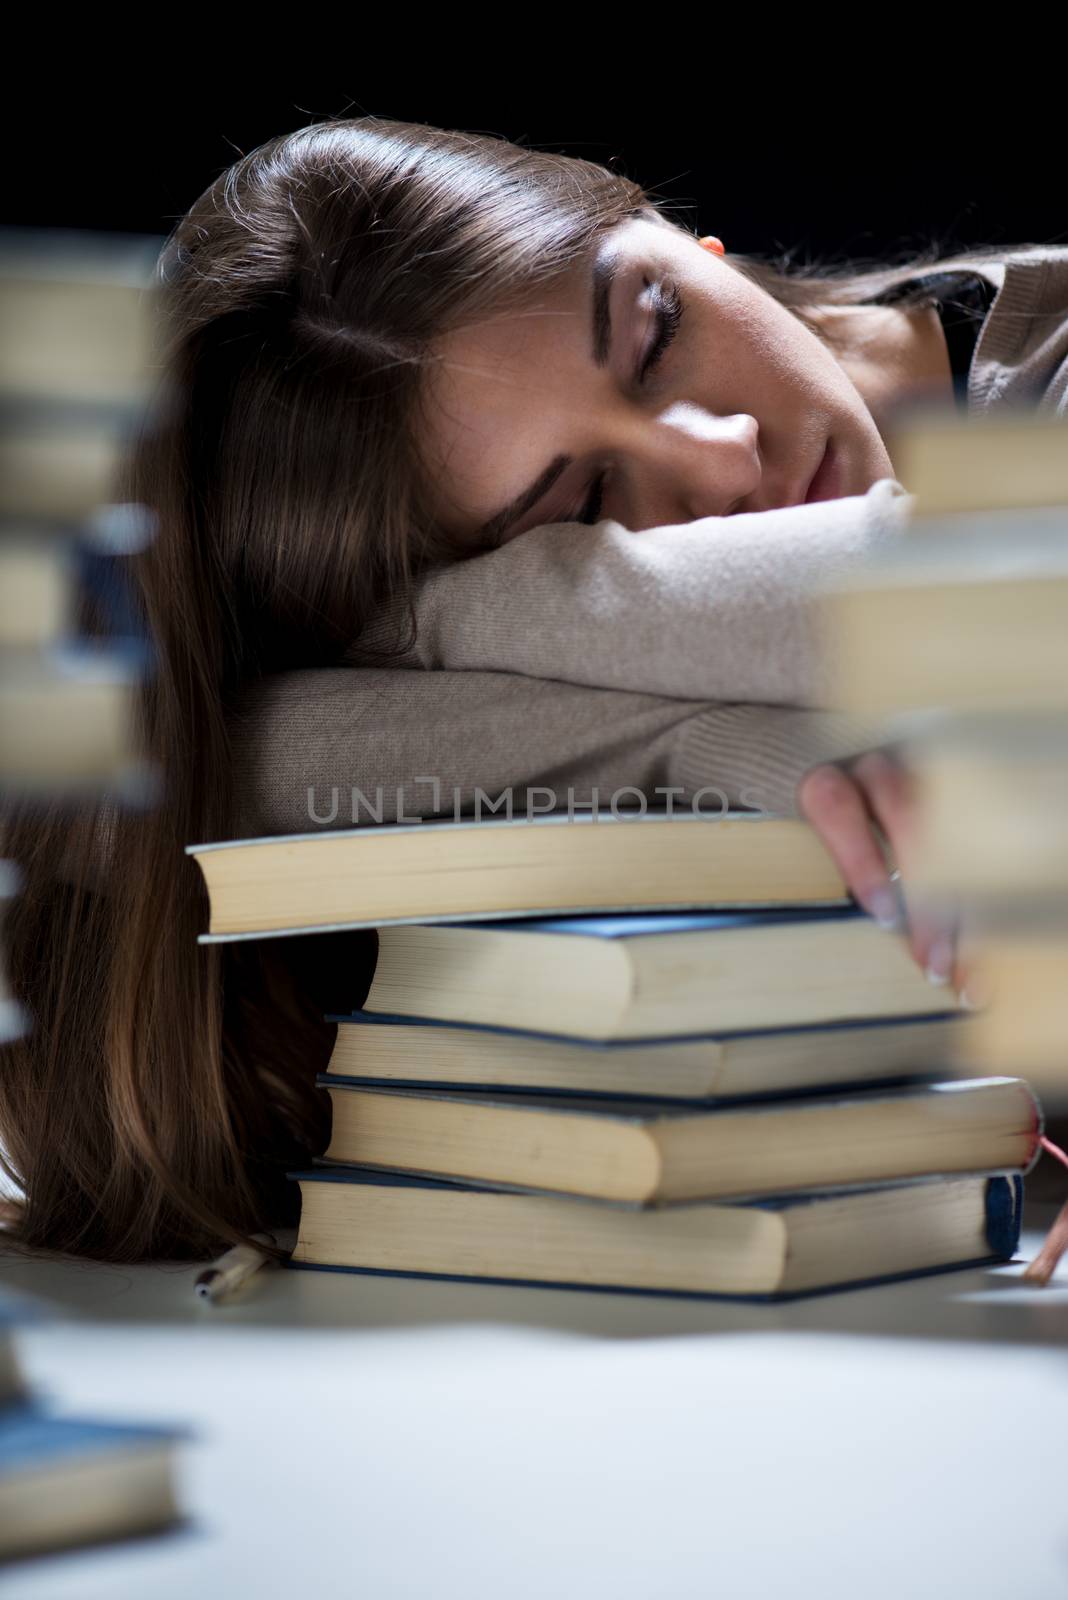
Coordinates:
[746,346]
[820,372]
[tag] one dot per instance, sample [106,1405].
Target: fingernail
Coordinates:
[975,995]
[940,962]
[885,907]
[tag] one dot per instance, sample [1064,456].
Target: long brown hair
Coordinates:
[166,1085]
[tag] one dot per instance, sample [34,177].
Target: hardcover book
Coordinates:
[418,1052]
[363,1221]
[669,1151]
[72,1481]
[656,975]
[435,870]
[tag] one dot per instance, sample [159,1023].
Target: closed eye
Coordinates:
[669,308]
[668,304]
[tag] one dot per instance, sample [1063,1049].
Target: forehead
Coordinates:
[509,389]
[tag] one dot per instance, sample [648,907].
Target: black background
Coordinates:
[835,161]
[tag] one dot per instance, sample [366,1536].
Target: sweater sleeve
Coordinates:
[343,747]
[720,608]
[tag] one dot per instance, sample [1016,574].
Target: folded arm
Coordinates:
[719,609]
[420,743]
[343,747]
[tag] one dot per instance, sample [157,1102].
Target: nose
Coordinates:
[694,463]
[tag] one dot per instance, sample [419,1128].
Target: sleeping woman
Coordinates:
[481,467]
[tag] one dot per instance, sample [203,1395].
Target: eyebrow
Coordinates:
[605,271]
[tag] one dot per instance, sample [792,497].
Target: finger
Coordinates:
[971,979]
[832,803]
[889,792]
[845,815]
[938,945]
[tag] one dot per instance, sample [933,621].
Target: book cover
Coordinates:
[639,925]
[33,1439]
[857,1025]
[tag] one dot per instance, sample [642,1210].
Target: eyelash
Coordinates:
[668,318]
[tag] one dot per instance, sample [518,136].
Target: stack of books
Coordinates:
[77,381]
[76,374]
[959,635]
[657,1053]
[67,1481]
[994,803]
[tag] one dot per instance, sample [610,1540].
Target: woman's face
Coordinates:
[692,391]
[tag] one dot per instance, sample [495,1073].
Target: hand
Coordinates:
[842,803]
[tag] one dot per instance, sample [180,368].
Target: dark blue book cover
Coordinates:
[641,924]
[19,1308]
[33,1440]
[644,1109]
[620,1046]
[646,1046]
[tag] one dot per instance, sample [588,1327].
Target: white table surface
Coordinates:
[386,1437]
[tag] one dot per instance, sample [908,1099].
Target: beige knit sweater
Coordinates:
[574,663]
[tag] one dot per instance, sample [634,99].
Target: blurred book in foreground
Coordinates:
[78,317]
[964,468]
[1025,1021]
[992,804]
[959,630]
[948,623]
[968,608]
[37,582]
[68,1481]
[68,723]
[80,379]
